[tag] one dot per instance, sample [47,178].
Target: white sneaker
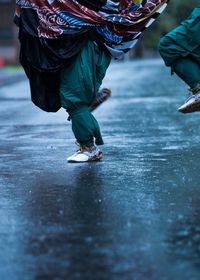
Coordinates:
[192,104]
[86,154]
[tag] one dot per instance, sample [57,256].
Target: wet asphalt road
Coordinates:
[134,216]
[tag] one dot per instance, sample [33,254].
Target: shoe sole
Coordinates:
[94,159]
[107,93]
[193,107]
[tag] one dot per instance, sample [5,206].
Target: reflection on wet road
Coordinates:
[133,216]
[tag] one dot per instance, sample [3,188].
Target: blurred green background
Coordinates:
[176,11]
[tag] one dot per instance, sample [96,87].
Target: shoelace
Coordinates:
[195,90]
[83,148]
[190,96]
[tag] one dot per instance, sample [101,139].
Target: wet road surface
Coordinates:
[134,216]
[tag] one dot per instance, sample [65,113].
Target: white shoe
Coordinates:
[86,154]
[192,104]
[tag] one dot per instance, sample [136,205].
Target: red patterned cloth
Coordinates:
[119,23]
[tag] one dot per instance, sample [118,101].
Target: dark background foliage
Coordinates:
[176,11]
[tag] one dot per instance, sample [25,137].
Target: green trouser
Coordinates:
[80,82]
[180,49]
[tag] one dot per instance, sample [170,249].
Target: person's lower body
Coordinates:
[184,60]
[80,82]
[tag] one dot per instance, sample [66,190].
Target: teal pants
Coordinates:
[80,82]
[180,49]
